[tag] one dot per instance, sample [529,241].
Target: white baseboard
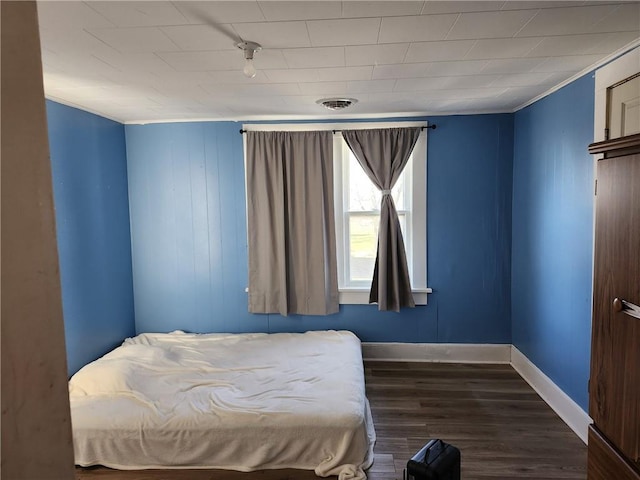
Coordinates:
[568,410]
[437,352]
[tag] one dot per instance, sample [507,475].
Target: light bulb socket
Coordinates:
[249,49]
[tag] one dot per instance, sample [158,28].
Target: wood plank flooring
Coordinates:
[504,430]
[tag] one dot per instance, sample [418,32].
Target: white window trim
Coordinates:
[419,263]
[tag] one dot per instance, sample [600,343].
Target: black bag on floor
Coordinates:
[437,460]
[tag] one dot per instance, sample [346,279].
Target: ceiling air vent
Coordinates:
[336,103]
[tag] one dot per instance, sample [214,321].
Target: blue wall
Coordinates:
[553,205]
[92,220]
[186,260]
[186,187]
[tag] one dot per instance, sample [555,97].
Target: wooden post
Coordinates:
[36,427]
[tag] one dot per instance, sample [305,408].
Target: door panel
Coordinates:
[615,356]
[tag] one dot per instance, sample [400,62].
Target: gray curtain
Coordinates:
[291,227]
[383,154]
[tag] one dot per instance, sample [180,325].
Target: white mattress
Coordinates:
[231,401]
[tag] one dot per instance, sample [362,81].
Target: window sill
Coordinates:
[360,296]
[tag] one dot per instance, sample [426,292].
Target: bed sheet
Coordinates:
[231,401]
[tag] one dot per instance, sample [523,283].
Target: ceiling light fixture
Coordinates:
[336,103]
[249,49]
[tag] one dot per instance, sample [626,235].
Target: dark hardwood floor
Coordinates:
[504,430]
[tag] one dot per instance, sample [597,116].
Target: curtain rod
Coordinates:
[432,126]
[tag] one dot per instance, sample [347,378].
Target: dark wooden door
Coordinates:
[614,402]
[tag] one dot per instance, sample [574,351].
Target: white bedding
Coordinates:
[232,401]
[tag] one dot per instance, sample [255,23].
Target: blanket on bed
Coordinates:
[231,401]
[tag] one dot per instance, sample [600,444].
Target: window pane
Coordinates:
[363,244]
[403,226]
[398,193]
[363,194]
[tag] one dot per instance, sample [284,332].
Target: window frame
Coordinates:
[416,256]
[417,243]
[348,212]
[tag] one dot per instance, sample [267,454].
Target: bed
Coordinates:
[227,401]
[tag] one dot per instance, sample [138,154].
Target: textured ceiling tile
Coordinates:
[520,93]
[438,51]
[533,5]
[203,61]
[555,78]
[135,39]
[345,73]
[181,82]
[421,84]
[269,58]
[154,70]
[276,34]
[502,48]
[435,6]
[523,80]
[200,37]
[613,42]
[259,89]
[136,64]
[248,104]
[206,13]
[421,28]
[511,65]
[296,10]
[323,88]
[466,67]
[567,45]
[79,93]
[222,60]
[480,92]
[564,64]
[171,91]
[139,14]
[236,76]
[73,42]
[386,98]
[314,57]
[256,111]
[566,21]
[352,9]
[370,86]
[376,54]
[462,93]
[307,100]
[476,106]
[503,24]
[624,18]
[182,102]
[292,75]
[70,14]
[70,79]
[357,31]
[412,70]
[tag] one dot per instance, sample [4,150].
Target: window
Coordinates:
[361,207]
[357,210]
[357,205]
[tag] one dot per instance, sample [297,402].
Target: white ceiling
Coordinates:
[146,61]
